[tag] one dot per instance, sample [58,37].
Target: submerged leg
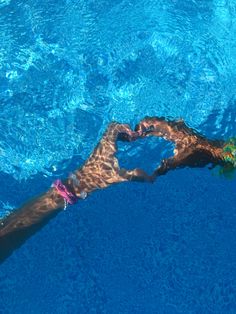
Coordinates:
[116,131]
[191,148]
[169,164]
[103,163]
[123,132]
[173,131]
[186,157]
[136,175]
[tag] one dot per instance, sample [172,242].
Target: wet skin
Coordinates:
[102,169]
[99,171]
[191,148]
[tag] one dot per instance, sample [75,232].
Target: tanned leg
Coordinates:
[26,220]
[191,148]
[99,171]
[102,167]
[124,133]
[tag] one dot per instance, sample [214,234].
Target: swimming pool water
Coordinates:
[68,64]
[67,68]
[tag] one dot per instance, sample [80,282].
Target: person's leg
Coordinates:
[180,159]
[103,157]
[101,170]
[107,147]
[123,132]
[136,175]
[174,131]
[191,148]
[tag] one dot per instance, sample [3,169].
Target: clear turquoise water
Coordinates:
[67,68]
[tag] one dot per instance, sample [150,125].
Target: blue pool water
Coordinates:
[67,68]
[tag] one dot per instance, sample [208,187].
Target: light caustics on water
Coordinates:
[67,70]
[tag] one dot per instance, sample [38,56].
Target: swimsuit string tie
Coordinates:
[63,192]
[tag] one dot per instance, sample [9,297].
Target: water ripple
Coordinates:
[67,70]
